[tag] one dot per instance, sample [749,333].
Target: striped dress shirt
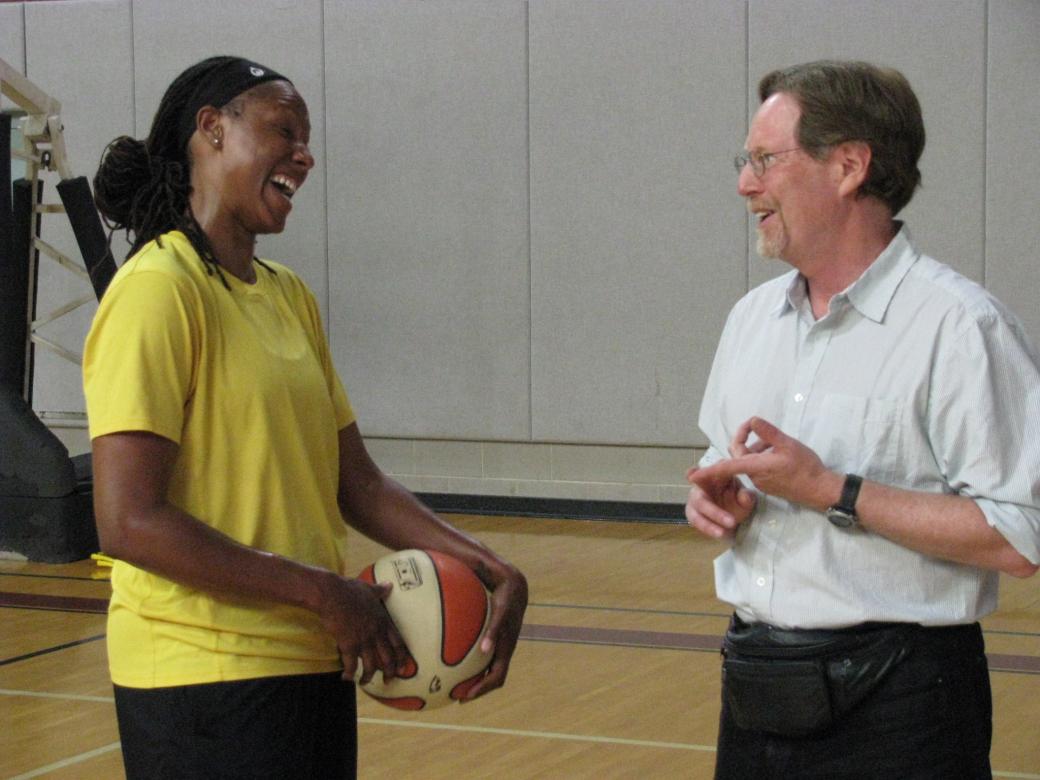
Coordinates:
[916,378]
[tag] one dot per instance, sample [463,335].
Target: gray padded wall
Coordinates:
[636,232]
[940,45]
[12,38]
[1013,158]
[287,36]
[428,254]
[523,223]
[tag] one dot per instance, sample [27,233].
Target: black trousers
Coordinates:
[931,719]
[272,727]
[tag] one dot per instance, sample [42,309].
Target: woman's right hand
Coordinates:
[353,612]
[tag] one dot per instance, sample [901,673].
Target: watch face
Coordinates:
[841,518]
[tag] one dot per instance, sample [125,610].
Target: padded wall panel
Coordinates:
[637,232]
[286,36]
[12,38]
[631,188]
[1012,159]
[93,83]
[428,244]
[939,46]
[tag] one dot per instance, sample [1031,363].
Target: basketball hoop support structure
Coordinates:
[46,511]
[44,150]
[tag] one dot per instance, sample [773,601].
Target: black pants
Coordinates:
[931,719]
[272,727]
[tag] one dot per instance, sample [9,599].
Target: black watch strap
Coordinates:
[843,514]
[849,493]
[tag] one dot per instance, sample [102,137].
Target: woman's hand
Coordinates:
[508,603]
[353,612]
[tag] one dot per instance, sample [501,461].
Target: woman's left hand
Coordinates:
[508,603]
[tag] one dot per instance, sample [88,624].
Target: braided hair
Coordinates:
[144,187]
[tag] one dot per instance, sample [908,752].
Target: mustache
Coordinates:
[758,205]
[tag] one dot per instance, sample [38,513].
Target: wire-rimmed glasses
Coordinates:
[759,161]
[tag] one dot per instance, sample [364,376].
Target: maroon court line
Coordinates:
[1001,662]
[47,650]
[57,603]
[657,640]
[666,640]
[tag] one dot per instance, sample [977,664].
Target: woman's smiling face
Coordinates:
[264,158]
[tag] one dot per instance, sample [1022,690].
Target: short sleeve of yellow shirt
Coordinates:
[243,381]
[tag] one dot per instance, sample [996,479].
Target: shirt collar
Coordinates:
[873,291]
[795,293]
[871,294]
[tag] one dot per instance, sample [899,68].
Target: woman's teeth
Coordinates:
[285,185]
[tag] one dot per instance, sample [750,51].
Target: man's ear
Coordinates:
[853,157]
[209,122]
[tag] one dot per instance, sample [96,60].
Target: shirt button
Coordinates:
[798,397]
[761,581]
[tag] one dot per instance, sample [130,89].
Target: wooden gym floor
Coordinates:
[616,675]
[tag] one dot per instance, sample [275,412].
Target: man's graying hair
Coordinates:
[856,101]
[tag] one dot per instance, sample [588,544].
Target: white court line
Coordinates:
[438,726]
[67,762]
[539,734]
[63,696]
[601,740]
[415,725]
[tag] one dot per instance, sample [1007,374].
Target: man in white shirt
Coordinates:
[874,459]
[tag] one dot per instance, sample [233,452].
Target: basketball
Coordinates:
[442,610]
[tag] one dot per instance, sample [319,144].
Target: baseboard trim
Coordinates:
[563,508]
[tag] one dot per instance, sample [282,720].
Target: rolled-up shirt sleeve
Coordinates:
[985,423]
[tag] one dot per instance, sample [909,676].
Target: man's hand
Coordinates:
[776,464]
[717,504]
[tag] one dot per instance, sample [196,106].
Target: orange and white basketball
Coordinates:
[442,610]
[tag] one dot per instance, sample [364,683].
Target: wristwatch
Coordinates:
[843,514]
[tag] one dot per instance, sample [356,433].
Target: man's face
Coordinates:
[792,199]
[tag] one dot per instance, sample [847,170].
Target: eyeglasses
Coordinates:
[759,161]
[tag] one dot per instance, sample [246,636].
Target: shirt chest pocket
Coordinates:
[862,436]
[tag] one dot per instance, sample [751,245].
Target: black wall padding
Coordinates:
[21,246]
[13,278]
[86,224]
[5,184]
[33,461]
[46,499]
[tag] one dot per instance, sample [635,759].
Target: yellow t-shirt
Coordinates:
[244,382]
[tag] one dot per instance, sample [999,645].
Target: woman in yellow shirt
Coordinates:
[227,458]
